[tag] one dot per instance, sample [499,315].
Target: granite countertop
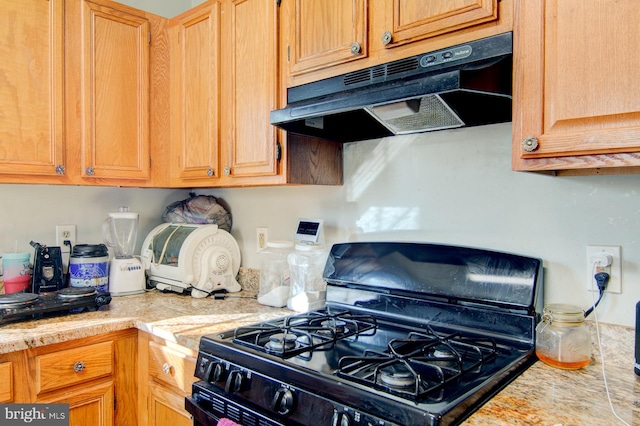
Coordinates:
[178,318]
[542,395]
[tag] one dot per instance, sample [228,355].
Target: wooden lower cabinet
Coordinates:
[94,375]
[167,407]
[165,374]
[6,385]
[88,405]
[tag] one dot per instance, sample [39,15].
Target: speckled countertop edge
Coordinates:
[174,317]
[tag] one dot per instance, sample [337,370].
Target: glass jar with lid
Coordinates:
[562,338]
[274,273]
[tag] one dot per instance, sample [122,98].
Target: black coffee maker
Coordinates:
[47,269]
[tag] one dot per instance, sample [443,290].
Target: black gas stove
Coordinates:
[16,307]
[412,334]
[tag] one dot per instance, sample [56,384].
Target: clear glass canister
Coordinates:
[274,273]
[308,288]
[562,338]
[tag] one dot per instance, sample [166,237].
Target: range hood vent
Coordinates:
[465,85]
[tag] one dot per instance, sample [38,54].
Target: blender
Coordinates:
[126,274]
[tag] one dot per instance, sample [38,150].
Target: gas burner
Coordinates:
[420,365]
[306,333]
[17,300]
[281,342]
[75,292]
[397,376]
[334,325]
[443,353]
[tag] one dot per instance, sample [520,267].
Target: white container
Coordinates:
[308,288]
[274,273]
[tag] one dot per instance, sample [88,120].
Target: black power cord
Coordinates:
[602,279]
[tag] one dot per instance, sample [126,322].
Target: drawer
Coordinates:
[72,366]
[171,366]
[6,384]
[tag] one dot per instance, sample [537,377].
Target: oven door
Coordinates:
[208,406]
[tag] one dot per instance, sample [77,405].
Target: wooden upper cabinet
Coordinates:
[114,92]
[326,33]
[412,20]
[31,90]
[332,37]
[195,93]
[576,91]
[249,88]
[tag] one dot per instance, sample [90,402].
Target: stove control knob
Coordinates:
[341,419]
[215,372]
[235,382]
[283,401]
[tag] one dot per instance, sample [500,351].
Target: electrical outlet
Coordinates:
[598,253]
[262,236]
[64,233]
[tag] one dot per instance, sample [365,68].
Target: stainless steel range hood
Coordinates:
[465,85]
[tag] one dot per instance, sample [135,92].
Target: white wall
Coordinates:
[457,187]
[31,212]
[453,187]
[167,8]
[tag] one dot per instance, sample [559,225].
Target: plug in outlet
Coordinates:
[64,233]
[597,257]
[262,236]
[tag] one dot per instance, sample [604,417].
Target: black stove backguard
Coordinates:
[412,334]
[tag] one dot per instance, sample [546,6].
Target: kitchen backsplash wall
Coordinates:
[31,212]
[457,187]
[453,187]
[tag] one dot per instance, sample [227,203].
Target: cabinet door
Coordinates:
[576,91]
[325,33]
[88,405]
[166,408]
[195,96]
[249,89]
[6,386]
[115,93]
[412,20]
[31,88]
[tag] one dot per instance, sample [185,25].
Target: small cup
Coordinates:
[16,272]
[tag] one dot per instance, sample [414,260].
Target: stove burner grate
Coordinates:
[300,335]
[420,365]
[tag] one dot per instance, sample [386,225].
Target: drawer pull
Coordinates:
[166,368]
[78,367]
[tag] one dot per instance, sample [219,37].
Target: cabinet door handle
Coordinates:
[530,143]
[386,37]
[166,368]
[78,367]
[355,48]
